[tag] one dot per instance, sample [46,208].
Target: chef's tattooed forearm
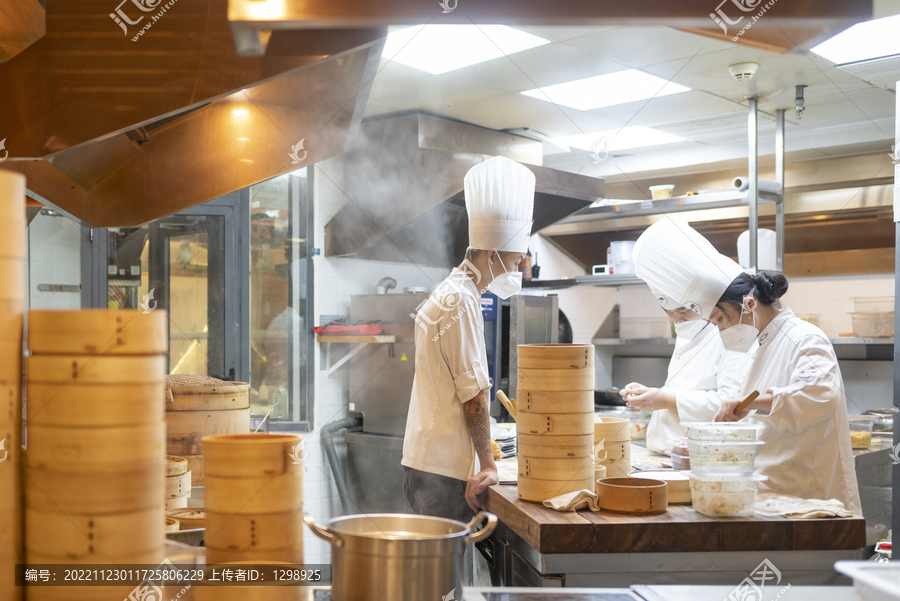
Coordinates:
[478,421]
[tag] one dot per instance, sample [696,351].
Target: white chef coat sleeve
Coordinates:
[462,346]
[814,391]
[702,405]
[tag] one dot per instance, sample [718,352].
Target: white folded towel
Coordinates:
[571,501]
[769,503]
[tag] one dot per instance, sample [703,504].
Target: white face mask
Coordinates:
[689,329]
[740,338]
[506,284]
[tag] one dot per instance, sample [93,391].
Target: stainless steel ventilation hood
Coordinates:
[402,188]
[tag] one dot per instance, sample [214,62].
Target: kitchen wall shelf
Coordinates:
[584,280]
[865,349]
[359,341]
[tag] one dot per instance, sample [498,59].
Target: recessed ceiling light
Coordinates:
[635,136]
[438,49]
[607,90]
[864,41]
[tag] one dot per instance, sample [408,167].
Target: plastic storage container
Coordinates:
[681,460]
[620,257]
[724,497]
[872,581]
[873,325]
[639,425]
[860,431]
[722,431]
[722,459]
[873,304]
[662,191]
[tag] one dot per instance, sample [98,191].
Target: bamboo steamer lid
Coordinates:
[113,369]
[187,392]
[175,465]
[171,525]
[178,486]
[556,356]
[249,495]
[12,274]
[73,404]
[555,446]
[189,518]
[678,484]
[532,489]
[632,495]
[265,531]
[617,469]
[104,449]
[612,429]
[568,401]
[195,464]
[238,455]
[555,424]
[186,430]
[98,332]
[553,380]
[176,503]
[555,468]
[84,492]
[286,555]
[70,535]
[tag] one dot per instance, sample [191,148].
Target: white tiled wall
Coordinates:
[54,257]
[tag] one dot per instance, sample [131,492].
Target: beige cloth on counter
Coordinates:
[572,501]
[768,503]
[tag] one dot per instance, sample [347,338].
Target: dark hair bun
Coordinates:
[770,286]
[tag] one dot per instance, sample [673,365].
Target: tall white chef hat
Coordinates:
[500,204]
[675,260]
[665,301]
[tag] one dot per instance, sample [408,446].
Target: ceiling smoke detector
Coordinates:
[742,71]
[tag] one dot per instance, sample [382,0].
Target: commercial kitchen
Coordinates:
[448,300]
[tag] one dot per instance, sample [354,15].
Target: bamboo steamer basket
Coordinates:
[109,449]
[12,274]
[176,503]
[617,469]
[73,404]
[240,455]
[195,393]
[556,356]
[266,531]
[185,430]
[634,496]
[175,465]
[554,380]
[532,489]
[195,464]
[178,486]
[555,446]
[85,369]
[84,492]
[599,474]
[542,468]
[613,429]
[171,525]
[261,494]
[66,535]
[678,484]
[617,451]
[287,555]
[567,401]
[98,332]
[555,424]
[189,518]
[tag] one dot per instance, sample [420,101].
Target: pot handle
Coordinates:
[323,532]
[484,532]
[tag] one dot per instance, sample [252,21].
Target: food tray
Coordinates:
[722,431]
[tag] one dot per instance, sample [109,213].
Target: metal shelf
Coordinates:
[630,341]
[864,349]
[584,280]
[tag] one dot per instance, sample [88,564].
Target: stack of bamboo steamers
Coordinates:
[96,443]
[555,419]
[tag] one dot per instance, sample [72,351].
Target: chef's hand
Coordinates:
[649,399]
[633,389]
[726,411]
[477,486]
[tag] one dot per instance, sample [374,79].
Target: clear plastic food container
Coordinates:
[680,462]
[873,325]
[860,431]
[722,431]
[724,497]
[873,304]
[639,425]
[722,459]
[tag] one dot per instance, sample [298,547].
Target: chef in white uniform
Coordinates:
[688,275]
[701,375]
[801,404]
[448,424]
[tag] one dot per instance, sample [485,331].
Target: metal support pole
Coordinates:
[895,482]
[779,177]
[753,190]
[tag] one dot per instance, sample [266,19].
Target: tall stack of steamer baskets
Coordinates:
[12,303]
[94,483]
[555,420]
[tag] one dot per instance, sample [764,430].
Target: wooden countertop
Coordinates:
[680,529]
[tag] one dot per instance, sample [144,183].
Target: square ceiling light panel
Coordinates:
[607,90]
[635,136]
[864,41]
[440,49]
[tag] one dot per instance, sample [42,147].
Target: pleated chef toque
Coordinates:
[676,261]
[500,204]
[666,302]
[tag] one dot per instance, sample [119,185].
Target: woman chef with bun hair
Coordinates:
[801,404]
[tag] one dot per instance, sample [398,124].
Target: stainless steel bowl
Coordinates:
[883,419]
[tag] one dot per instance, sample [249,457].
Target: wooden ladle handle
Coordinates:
[746,402]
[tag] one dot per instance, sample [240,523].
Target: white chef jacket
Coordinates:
[451,369]
[807,452]
[704,374]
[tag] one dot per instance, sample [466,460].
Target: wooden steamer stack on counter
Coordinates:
[94,483]
[615,432]
[12,303]
[198,406]
[555,419]
[253,498]
[178,482]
